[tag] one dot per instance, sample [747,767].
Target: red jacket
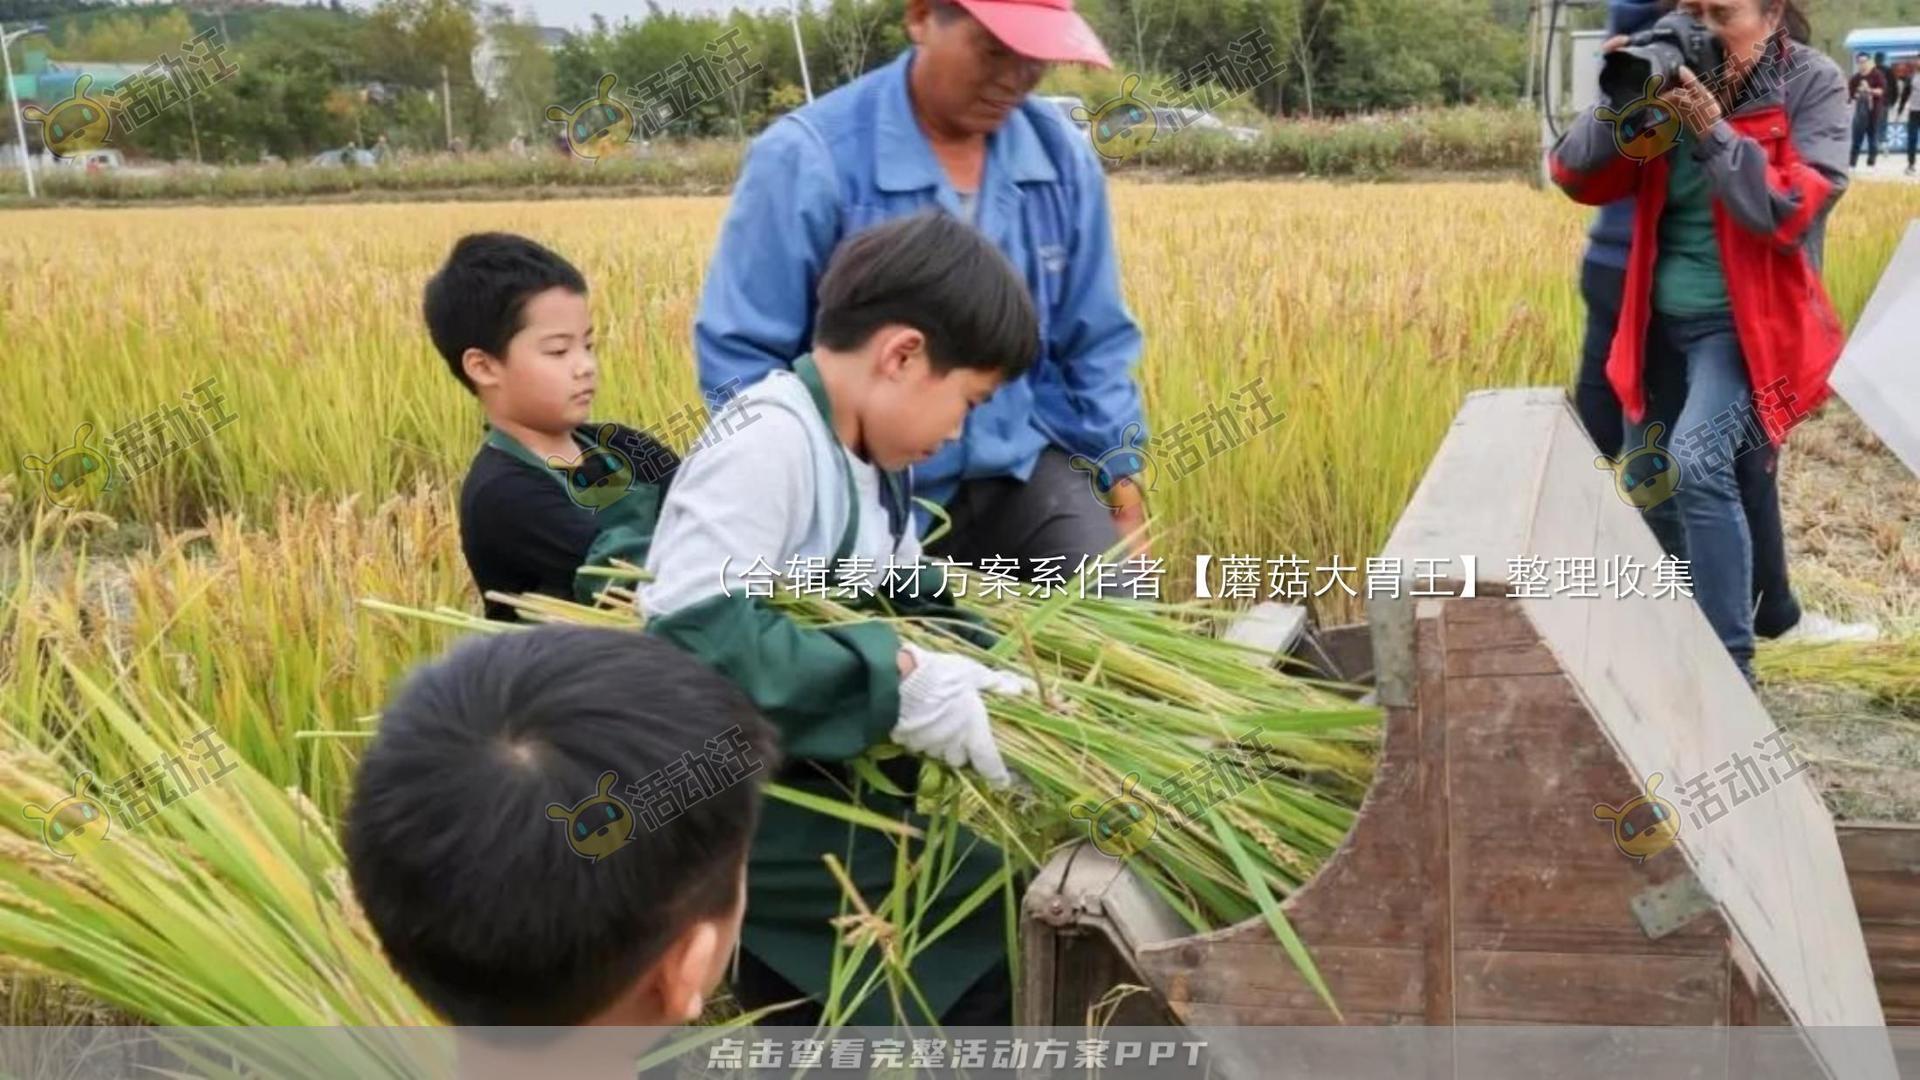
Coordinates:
[1776,166]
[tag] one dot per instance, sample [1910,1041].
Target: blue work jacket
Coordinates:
[857,157]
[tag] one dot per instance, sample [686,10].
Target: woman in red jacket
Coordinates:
[1723,275]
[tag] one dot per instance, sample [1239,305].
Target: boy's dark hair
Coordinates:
[477,893]
[943,278]
[477,298]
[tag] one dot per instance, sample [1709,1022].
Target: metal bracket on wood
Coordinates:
[1671,905]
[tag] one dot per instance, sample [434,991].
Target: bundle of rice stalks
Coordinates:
[208,896]
[1886,671]
[1224,783]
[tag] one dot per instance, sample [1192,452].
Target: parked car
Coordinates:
[344,157]
[92,160]
[1181,119]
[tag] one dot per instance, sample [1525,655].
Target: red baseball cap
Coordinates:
[1040,29]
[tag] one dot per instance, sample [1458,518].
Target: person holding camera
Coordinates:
[1722,289]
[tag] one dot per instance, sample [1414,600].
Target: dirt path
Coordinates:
[1853,542]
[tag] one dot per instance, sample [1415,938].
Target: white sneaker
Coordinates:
[1816,628]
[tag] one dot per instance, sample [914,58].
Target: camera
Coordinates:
[1661,49]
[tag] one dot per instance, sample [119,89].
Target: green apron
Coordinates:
[625,527]
[833,693]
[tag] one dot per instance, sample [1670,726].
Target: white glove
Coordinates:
[942,716]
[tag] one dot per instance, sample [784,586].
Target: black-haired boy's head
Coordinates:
[937,319]
[511,320]
[551,828]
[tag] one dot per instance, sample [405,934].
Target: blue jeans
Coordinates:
[1704,521]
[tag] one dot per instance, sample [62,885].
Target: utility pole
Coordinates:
[799,48]
[1533,56]
[446,103]
[13,101]
[193,125]
[1543,46]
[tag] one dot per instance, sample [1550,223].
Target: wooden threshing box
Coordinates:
[1477,886]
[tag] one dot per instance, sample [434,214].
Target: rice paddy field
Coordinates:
[224,587]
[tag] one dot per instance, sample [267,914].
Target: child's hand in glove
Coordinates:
[942,716]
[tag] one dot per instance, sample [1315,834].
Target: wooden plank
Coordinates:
[1710,940]
[1895,951]
[1879,897]
[1532,660]
[1363,980]
[1883,847]
[1264,1014]
[1624,990]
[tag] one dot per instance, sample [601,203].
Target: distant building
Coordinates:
[490,55]
[44,81]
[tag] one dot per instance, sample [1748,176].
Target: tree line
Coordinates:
[325,75]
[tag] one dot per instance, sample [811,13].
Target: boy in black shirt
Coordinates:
[547,493]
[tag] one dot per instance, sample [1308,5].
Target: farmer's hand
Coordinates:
[942,715]
[1693,102]
[1130,515]
[1612,43]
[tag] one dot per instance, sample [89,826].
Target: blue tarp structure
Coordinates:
[1898,42]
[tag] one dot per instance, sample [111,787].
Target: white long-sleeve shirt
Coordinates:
[766,486]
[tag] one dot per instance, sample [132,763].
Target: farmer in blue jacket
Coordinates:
[950,124]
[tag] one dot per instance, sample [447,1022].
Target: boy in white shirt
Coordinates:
[920,320]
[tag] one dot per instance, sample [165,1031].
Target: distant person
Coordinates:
[1723,289]
[494,852]
[1908,82]
[951,125]
[381,150]
[1867,90]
